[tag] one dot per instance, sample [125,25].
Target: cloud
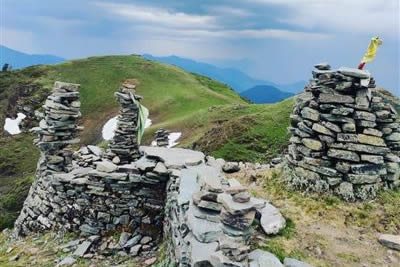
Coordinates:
[355,16]
[193,34]
[229,11]
[16,39]
[154,15]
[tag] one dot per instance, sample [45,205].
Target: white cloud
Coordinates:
[357,16]
[16,39]
[194,34]
[229,11]
[154,15]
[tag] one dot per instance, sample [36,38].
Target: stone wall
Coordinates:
[345,138]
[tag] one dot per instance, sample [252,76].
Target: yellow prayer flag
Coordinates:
[372,48]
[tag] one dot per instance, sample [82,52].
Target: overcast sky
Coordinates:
[276,40]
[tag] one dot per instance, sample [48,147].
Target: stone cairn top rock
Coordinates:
[124,144]
[161,137]
[345,138]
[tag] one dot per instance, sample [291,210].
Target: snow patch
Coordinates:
[111,125]
[172,138]
[12,126]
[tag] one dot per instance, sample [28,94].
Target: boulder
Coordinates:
[67,261]
[231,167]
[390,241]
[271,220]
[260,258]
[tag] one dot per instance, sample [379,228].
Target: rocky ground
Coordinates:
[321,230]
[324,230]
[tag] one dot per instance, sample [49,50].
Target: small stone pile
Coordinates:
[161,137]
[124,143]
[345,138]
[237,215]
[206,198]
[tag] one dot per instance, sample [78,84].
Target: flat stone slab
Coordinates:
[390,241]
[289,262]
[362,74]
[188,186]
[260,258]
[236,208]
[176,158]
[106,166]
[203,230]
[82,248]
[202,252]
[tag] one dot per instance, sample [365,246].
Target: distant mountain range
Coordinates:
[238,80]
[21,60]
[262,94]
[256,90]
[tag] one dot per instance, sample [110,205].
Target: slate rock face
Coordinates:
[345,138]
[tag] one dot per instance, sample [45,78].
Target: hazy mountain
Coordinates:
[262,94]
[21,60]
[238,80]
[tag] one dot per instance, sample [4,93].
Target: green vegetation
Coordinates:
[324,230]
[254,133]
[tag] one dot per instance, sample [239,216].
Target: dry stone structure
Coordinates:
[144,193]
[57,131]
[345,138]
[124,143]
[161,137]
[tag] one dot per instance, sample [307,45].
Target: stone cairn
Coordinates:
[56,132]
[124,144]
[237,215]
[161,137]
[345,138]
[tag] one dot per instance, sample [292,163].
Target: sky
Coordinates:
[275,40]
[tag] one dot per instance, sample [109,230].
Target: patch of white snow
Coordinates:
[172,138]
[12,126]
[111,125]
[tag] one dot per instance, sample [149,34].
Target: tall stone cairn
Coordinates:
[345,138]
[125,144]
[56,132]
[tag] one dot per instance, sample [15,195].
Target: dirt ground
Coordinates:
[324,230]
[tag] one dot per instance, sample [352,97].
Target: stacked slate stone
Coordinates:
[161,137]
[237,215]
[124,143]
[59,127]
[56,132]
[345,139]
